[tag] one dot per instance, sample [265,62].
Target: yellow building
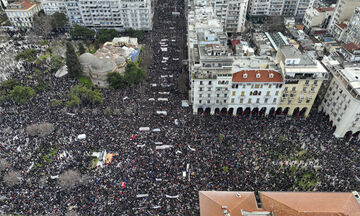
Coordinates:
[303,78]
[21,13]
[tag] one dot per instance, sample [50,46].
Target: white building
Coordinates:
[21,13]
[342,100]
[232,14]
[317,17]
[352,33]
[344,10]
[117,14]
[52,6]
[279,7]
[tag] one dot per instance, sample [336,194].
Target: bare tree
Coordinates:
[70,178]
[40,130]
[12,178]
[42,24]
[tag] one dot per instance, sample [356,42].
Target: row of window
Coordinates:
[241,101]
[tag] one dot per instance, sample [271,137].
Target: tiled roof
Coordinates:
[213,203]
[341,25]
[324,9]
[351,47]
[251,76]
[26,5]
[235,42]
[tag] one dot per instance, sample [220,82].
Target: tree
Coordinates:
[80,94]
[81,49]
[72,62]
[9,84]
[116,80]
[58,20]
[42,24]
[105,35]
[82,32]
[28,55]
[56,62]
[134,74]
[21,94]
[134,33]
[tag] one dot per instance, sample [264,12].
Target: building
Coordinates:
[112,56]
[303,78]
[338,31]
[21,13]
[279,7]
[117,14]
[353,29]
[342,99]
[349,52]
[317,17]
[52,6]
[226,203]
[232,14]
[344,10]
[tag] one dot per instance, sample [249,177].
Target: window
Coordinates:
[270,85]
[201,89]
[257,85]
[218,95]
[304,89]
[266,100]
[208,101]
[315,82]
[268,93]
[241,100]
[200,101]
[249,101]
[209,95]
[294,88]
[201,82]
[233,93]
[232,100]
[200,95]
[300,101]
[274,101]
[244,86]
[242,93]
[225,95]
[307,101]
[209,82]
[277,93]
[217,101]
[224,101]
[286,88]
[307,82]
[251,93]
[258,100]
[209,88]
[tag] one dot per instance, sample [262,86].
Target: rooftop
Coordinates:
[321,10]
[215,203]
[341,25]
[257,76]
[22,5]
[350,47]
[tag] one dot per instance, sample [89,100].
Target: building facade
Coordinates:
[352,33]
[342,99]
[279,7]
[232,14]
[303,79]
[317,17]
[52,6]
[344,10]
[21,13]
[117,14]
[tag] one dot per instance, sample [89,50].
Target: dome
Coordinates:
[119,60]
[102,65]
[86,58]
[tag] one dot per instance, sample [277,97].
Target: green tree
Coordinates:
[116,80]
[81,49]
[86,95]
[56,62]
[74,101]
[134,74]
[21,94]
[105,35]
[72,62]
[82,32]
[58,20]
[9,84]
[28,55]
[134,33]
[41,24]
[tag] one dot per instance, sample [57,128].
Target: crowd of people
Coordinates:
[197,152]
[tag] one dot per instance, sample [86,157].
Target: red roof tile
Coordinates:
[351,47]
[324,9]
[26,5]
[341,25]
[235,42]
[251,76]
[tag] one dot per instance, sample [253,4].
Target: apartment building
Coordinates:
[117,14]
[21,13]
[317,17]
[352,33]
[344,10]
[52,6]
[232,14]
[303,78]
[279,7]
[342,99]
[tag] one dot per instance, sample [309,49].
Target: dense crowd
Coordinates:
[203,152]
